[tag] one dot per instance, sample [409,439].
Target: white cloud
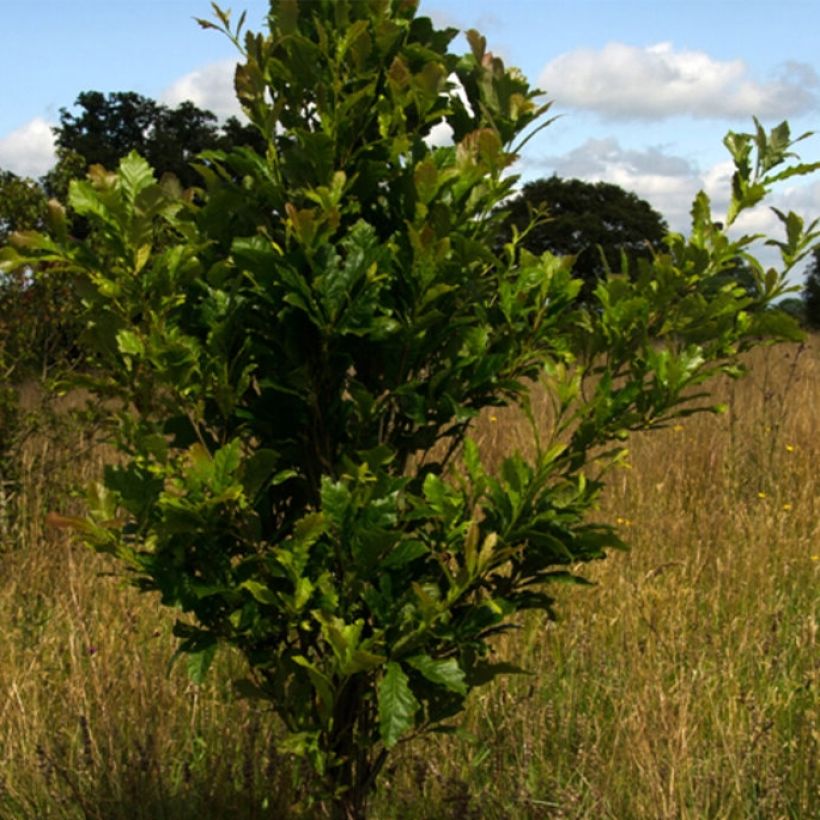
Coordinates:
[669,183]
[655,82]
[440,135]
[666,181]
[210,88]
[29,150]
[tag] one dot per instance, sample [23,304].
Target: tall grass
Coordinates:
[682,685]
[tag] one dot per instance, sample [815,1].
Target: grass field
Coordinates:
[682,685]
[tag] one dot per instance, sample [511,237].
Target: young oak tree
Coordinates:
[301,347]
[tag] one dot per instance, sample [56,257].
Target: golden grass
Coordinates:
[682,685]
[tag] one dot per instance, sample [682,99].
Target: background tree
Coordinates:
[794,306]
[811,291]
[581,217]
[38,314]
[23,205]
[108,127]
[37,311]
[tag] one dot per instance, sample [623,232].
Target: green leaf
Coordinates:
[309,529]
[86,201]
[336,500]
[226,462]
[404,553]
[397,705]
[135,175]
[426,179]
[321,683]
[260,592]
[361,660]
[258,470]
[129,343]
[446,673]
[198,663]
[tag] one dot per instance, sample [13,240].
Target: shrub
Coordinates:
[299,356]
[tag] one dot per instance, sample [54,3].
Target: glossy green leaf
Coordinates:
[446,673]
[397,705]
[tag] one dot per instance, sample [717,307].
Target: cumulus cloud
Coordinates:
[669,183]
[666,181]
[29,150]
[210,88]
[802,199]
[656,82]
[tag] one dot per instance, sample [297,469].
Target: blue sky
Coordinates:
[646,90]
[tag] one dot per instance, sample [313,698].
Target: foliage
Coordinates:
[57,180]
[811,291]
[594,221]
[37,313]
[794,306]
[108,127]
[22,205]
[300,354]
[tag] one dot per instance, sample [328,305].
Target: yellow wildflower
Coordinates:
[761,494]
[678,428]
[789,448]
[787,507]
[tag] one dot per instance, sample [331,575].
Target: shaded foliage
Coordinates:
[22,205]
[38,311]
[811,291]
[594,221]
[39,323]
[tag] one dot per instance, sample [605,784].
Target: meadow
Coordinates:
[682,684]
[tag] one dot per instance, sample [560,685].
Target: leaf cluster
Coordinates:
[596,223]
[300,352]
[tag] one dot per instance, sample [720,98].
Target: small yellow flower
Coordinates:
[623,522]
[761,494]
[493,419]
[678,428]
[787,507]
[815,558]
[789,448]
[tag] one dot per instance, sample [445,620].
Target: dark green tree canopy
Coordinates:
[811,291]
[38,314]
[108,127]
[581,217]
[22,205]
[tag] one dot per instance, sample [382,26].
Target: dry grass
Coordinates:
[682,685]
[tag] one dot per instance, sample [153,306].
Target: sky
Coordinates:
[645,89]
